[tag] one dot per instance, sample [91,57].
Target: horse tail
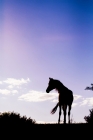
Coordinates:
[54,109]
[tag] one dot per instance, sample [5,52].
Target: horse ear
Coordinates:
[50,78]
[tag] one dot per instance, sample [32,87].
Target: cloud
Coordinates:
[8,92]
[12,83]
[36,96]
[16,82]
[14,92]
[76,97]
[5,91]
[0,82]
[87,101]
[55,100]
[74,104]
[10,86]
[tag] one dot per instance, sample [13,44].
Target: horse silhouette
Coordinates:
[65,98]
[89,88]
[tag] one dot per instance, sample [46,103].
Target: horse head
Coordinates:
[51,85]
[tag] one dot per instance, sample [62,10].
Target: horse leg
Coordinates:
[69,109]
[59,114]
[64,109]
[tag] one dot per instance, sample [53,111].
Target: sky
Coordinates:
[41,39]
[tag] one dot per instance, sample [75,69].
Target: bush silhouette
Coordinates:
[14,119]
[89,118]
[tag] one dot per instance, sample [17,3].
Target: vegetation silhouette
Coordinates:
[65,98]
[89,88]
[12,119]
[89,118]
[15,125]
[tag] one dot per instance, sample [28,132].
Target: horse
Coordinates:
[65,98]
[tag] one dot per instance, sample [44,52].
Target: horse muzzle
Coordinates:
[47,90]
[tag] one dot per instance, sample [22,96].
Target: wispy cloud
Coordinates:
[36,96]
[16,82]
[74,104]
[55,100]
[4,91]
[76,97]
[87,101]
[0,82]
[8,92]
[14,92]
[10,86]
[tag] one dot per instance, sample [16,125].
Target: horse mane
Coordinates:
[59,84]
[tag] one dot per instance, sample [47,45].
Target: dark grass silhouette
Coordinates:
[65,98]
[13,126]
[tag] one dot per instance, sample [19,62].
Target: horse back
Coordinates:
[66,97]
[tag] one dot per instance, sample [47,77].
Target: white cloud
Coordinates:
[84,102]
[0,82]
[74,104]
[87,101]
[14,91]
[8,92]
[12,83]
[10,86]
[5,91]
[76,97]
[36,96]
[55,100]
[16,82]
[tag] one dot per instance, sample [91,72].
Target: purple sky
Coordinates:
[41,39]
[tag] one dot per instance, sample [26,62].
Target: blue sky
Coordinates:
[41,39]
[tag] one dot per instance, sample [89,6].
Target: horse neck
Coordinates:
[59,87]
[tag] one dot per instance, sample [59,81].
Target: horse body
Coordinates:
[65,98]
